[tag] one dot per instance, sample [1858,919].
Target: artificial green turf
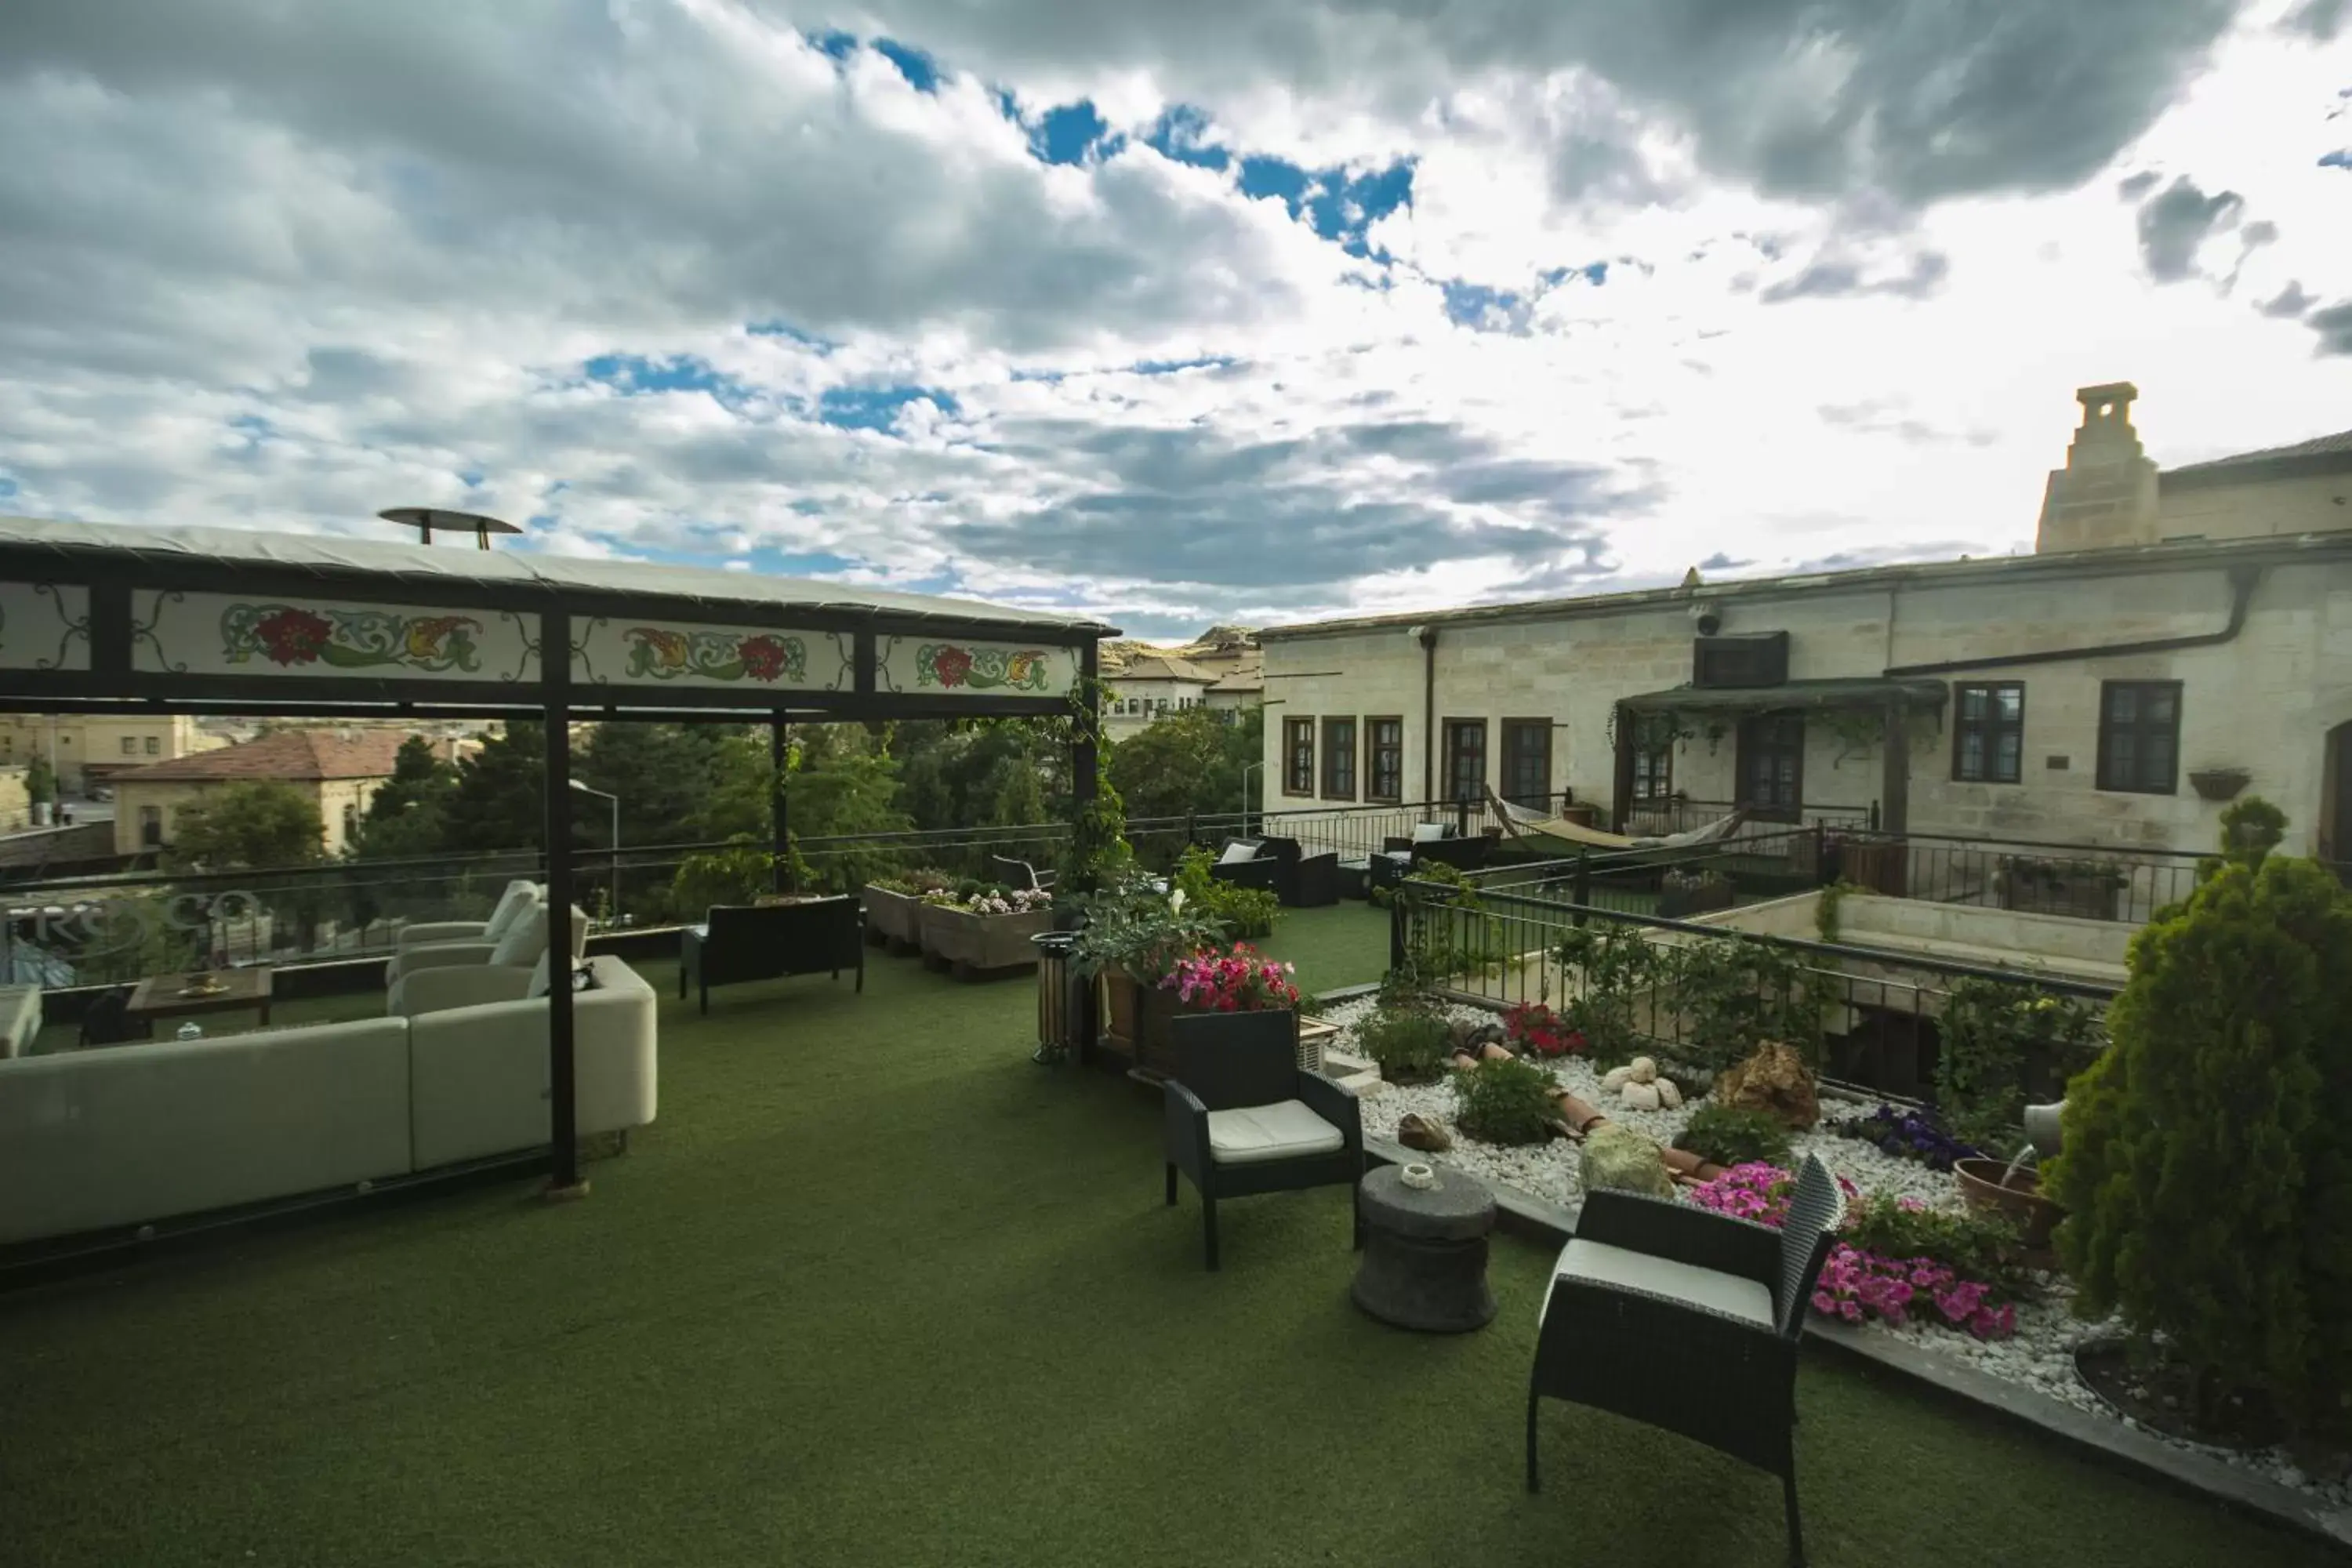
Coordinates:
[877,1290]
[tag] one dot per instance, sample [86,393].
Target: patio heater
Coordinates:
[425,519]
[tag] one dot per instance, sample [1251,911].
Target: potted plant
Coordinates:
[1133,939]
[1238,980]
[894,908]
[983,928]
[40,789]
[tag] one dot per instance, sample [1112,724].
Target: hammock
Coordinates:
[1521,823]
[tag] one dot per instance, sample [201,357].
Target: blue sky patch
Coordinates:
[876,407]
[2339,159]
[834,42]
[1177,136]
[922,73]
[1484,310]
[1341,208]
[1067,133]
[636,375]
[1169,366]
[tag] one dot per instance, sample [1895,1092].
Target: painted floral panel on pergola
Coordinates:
[947,666]
[743,659]
[228,634]
[44,625]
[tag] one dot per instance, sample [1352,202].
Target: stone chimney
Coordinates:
[2106,495]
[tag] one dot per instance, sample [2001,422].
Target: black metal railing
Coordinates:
[1874,1013]
[1680,814]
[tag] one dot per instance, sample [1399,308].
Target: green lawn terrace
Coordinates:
[877,1289]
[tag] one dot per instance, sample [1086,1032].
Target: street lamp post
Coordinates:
[612,913]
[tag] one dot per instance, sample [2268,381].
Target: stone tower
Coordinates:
[2106,495]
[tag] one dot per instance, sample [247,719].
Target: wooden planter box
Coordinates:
[893,919]
[1135,1026]
[973,944]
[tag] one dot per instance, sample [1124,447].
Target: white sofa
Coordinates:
[516,946]
[517,897]
[95,1139]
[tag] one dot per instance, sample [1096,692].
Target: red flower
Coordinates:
[293,636]
[952,665]
[763,657]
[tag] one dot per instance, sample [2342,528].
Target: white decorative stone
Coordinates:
[1640,1096]
[1669,1096]
[1642,1069]
[1616,1079]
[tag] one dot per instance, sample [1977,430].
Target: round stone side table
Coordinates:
[1424,1264]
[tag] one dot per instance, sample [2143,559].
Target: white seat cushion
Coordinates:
[518,897]
[1726,1293]
[1431,832]
[1236,852]
[1283,1130]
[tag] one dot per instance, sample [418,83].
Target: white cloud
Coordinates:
[283,268]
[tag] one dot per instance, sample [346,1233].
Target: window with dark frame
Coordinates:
[1384,743]
[1338,759]
[1988,731]
[1527,761]
[1466,759]
[1653,756]
[2139,736]
[1298,757]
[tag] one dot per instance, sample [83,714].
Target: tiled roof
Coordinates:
[304,755]
[1163,666]
[2337,445]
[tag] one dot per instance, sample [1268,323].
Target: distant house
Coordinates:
[1149,686]
[87,750]
[1221,670]
[340,770]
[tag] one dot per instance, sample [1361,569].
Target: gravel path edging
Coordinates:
[2108,1441]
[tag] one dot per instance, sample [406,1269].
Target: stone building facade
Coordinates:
[2174,631]
[339,773]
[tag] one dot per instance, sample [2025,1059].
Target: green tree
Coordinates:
[418,777]
[2208,1163]
[1187,762]
[499,802]
[40,780]
[249,825]
[841,780]
[663,773]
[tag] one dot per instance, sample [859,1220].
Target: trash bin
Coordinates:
[1061,1013]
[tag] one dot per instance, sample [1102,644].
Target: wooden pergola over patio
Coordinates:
[99,618]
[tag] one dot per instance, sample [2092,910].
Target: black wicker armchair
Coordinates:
[1283,868]
[1243,1118]
[1688,1320]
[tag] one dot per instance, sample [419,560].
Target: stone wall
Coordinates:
[2264,702]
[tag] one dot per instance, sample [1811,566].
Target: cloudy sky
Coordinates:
[1257,310]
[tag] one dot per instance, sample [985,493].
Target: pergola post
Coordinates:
[781,879]
[555,676]
[1086,732]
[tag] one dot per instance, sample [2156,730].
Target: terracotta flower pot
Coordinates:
[2022,1199]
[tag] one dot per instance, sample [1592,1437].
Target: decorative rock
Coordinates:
[1776,1080]
[1616,1079]
[1642,1069]
[1669,1096]
[1415,1130]
[1472,1037]
[1621,1159]
[1639,1096]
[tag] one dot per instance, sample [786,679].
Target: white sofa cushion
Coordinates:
[1432,831]
[513,904]
[1283,1130]
[1606,1265]
[1239,850]
[480,1078]
[127,1133]
[451,985]
[525,939]
[20,1018]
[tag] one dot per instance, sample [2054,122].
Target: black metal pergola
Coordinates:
[107,619]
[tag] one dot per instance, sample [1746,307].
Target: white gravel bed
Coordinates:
[2039,1356]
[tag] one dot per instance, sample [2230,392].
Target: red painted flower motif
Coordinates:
[763,657]
[952,665]
[293,636]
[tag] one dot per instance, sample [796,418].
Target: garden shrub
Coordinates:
[1245,911]
[1409,1044]
[1734,995]
[2208,1159]
[2000,1043]
[1734,1135]
[1971,1243]
[1614,964]
[1505,1102]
